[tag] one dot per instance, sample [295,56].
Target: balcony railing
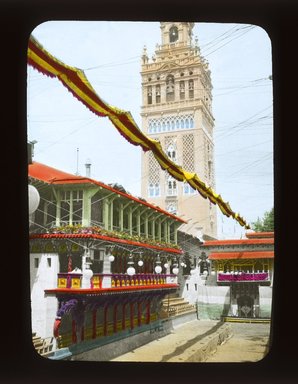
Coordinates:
[242,276]
[100,280]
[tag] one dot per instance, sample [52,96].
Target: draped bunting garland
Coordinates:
[76,82]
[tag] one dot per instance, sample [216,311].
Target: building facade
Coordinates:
[234,277]
[101,262]
[177,111]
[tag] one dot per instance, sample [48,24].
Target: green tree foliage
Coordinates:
[266,224]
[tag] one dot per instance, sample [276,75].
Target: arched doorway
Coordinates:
[245,306]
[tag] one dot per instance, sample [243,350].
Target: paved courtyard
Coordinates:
[248,342]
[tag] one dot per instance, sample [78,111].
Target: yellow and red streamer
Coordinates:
[76,82]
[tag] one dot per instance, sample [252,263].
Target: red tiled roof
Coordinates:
[254,235]
[51,175]
[55,176]
[238,242]
[241,255]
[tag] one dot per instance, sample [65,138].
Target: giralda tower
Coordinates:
[177,111]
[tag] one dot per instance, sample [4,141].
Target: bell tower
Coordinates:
[177,111]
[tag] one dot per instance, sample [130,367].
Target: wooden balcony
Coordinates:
[115,280]
[243,277]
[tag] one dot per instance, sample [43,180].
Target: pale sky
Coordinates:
[109,53]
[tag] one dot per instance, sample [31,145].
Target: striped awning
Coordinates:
[76,82]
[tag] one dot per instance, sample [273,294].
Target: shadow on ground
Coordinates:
[179,350]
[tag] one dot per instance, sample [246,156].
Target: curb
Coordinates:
[245,320]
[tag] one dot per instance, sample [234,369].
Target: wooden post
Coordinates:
[74,335]
[105,320]
[94,323]
[139,313]
[123,316]
[115,318]
[148,312]
[131,315]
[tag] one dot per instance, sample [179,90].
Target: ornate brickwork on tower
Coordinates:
[177,111]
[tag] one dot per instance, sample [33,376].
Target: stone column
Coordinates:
[169,279]
[107,280]
[86,271]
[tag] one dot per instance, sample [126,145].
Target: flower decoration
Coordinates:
[78,228]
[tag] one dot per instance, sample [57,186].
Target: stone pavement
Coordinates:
[180,345]
[250,343]
[205,340]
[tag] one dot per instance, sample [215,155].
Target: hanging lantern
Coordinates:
[111,258]
[175,269]
[140,262]
[33,198]
[130,270]
[158,268]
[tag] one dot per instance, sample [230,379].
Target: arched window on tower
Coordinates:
[182,90]
[149,95]
[171,152]
[190,89]
[154,190]
[209,169]
[157,94]
[170,88]
[173,33]
[171,186]
[187,189]
[172,208]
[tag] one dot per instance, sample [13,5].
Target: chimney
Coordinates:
[30,150]
[88,168]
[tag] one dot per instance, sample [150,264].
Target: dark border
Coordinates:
[19,362]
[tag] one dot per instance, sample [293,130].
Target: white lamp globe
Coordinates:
[34,198]
[111,258]
[175,270]
[158,269]
[166,265]
[140,263]
[131,271]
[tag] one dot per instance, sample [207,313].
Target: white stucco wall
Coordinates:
[265,299]
[43,276]
[212,301]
